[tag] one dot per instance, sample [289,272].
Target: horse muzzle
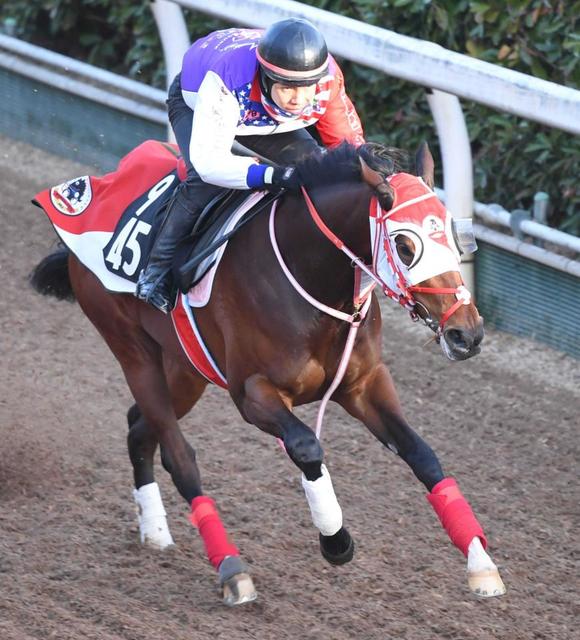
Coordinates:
[462,343]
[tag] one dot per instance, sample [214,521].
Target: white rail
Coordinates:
[81,88]
[418,61]
[537,254]
[96,84]
[70,67]
[496,214]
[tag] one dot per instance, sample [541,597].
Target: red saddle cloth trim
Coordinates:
[193,346]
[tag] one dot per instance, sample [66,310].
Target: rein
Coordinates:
[362,292]
[362,299]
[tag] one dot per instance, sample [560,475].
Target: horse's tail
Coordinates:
[50,277]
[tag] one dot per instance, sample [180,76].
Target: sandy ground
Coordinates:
[71,566]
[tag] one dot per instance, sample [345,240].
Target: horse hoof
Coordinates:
[158,543]
[486,584]
[238,587]
[332,555]
[156,534]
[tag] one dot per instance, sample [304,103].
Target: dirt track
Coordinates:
[506,424]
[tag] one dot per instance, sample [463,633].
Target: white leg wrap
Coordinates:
[324,507]
[153,527]
[477,558]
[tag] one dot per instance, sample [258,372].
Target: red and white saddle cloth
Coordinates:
[107,223]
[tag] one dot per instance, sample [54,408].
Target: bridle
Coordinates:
[363,288]
[401,292]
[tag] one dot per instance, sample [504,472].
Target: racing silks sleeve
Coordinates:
[215,118]
[340,122]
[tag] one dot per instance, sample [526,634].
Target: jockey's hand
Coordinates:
[285,178]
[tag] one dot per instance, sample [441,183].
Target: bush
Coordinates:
[119,36]
[514,158]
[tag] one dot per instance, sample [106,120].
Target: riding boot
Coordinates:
[155,284]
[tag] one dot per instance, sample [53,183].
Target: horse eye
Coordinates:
[405,249]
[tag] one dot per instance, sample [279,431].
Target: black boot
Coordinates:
[155,284]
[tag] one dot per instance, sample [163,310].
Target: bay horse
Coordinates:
[286,329]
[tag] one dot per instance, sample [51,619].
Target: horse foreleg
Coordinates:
[374,401]
[263,405]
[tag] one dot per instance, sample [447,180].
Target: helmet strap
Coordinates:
[266,83]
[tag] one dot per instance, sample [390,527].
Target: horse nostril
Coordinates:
[456,339]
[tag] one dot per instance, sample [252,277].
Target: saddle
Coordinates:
[197,253]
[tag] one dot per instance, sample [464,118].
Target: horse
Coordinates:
[294,318]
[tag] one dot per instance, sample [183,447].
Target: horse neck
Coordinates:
[323,270]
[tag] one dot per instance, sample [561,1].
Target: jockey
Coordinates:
[263,87]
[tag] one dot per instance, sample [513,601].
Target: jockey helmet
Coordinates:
[293,52]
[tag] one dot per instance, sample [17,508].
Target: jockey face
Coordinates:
[293,98]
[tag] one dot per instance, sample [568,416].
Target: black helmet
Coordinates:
[293,51]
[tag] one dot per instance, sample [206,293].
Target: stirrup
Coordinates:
[148,292]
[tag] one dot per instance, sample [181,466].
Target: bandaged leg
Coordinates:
[223,555]
[324,507]
[455,514]
[153,529]
[205,517]
[467,535]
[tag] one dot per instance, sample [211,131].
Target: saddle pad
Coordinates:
[199,294]
[107,221]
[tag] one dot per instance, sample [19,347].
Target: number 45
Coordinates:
[128,238]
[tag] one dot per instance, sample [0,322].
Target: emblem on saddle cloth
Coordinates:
[72,197]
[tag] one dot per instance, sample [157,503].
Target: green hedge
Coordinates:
[514,158]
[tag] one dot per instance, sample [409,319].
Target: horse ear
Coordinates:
[425,164]
[379,185]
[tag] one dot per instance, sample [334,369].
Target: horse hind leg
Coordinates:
[164,392]
[151,514]
[142,444]
[234,579]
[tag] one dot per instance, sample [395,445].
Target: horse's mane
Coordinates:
[341,164]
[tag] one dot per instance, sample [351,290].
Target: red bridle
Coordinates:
[405,297]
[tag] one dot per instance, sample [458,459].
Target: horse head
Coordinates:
[417,247]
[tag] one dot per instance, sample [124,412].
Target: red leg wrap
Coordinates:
[205,517]
[455,514]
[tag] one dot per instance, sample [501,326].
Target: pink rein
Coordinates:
[362,292]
